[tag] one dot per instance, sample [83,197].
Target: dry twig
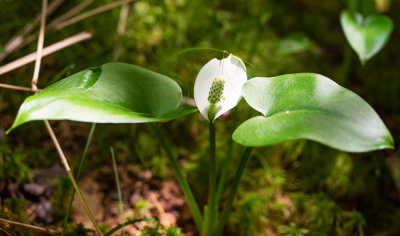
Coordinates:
[18,40]
[70,175]
[92,13]
[160,210]
[75,10]
[39,47]
[15,87]
[123,17]
[46,51]
[26,226]
[49,129]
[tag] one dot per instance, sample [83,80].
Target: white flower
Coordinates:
[219,86]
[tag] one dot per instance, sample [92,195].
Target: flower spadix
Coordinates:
[218,86]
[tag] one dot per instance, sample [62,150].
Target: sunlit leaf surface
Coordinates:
[112,93]
[313,107]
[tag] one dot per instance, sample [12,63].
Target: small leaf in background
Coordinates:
[366,35]
[313,107]
[112,93]
[294,43]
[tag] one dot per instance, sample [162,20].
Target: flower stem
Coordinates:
[347,66]
[212,210]
[121,206]
[181,179]
[225,163]
[232,194]
[89,140]
[211,113]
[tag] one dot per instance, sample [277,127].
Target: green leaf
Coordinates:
[294,43]
[112,93]
[366,35]
[313,107]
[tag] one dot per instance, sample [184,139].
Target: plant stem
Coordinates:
[121,206]
[89,140]
[232,194]
[130,222]
[181,179]
[211,113]
[71,176]
[212,210]
[225,162]
[346,66]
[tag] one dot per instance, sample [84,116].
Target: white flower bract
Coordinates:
[233,71]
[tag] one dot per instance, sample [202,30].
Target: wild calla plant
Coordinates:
[305,105]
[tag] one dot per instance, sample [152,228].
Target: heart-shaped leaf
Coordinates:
[112,93]
[367,36]
[313,107]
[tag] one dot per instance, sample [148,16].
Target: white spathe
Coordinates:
[233,70]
